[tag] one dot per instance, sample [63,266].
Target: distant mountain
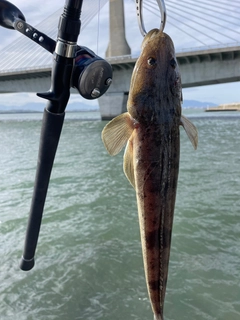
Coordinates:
[28,107]
[197,104]
[77,107]
[39,107]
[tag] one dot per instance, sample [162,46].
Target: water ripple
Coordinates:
[88,261]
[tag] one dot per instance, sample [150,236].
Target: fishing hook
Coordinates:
[163,13]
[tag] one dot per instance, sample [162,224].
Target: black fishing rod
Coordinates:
[74,66]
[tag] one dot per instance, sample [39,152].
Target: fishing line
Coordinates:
[98,24]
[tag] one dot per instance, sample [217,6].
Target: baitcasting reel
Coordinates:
[92,75]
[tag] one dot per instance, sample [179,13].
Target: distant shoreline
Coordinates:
[28,111]
[225,107]
[73,111]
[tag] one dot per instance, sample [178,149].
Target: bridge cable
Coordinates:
[208,20]
[186,24]
[225,6]
[209,14]
[34,55]
[211,6]
[182,23]
[199,23]
[177,26]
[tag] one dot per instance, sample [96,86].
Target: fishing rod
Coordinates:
[73,66]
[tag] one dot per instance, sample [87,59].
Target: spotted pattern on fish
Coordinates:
[151,159]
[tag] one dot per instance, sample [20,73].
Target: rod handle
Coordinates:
[50,135]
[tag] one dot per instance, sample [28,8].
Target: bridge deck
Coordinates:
[127,62]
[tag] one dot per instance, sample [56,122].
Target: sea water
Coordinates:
[88,259]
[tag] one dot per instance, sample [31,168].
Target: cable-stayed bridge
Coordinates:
[206,34]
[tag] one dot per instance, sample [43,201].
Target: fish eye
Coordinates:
[173,63]
[151,61]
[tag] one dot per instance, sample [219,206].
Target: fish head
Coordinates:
[156,81]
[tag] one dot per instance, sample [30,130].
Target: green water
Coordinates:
[88,260]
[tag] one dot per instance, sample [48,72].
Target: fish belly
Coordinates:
[156,164]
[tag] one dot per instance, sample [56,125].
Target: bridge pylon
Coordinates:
[118,45]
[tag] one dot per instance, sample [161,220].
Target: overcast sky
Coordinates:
[95,36]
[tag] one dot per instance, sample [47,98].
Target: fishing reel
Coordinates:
[92,75]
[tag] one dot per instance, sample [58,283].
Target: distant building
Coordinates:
[235,106]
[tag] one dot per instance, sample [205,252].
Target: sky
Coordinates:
[98,40]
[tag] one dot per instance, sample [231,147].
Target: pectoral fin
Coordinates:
[191,131]
[117,132]
[128,163]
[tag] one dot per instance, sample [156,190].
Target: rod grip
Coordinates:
[50,135]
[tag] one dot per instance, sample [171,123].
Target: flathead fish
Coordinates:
[150,129]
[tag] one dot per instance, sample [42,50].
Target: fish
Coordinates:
[150,131]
